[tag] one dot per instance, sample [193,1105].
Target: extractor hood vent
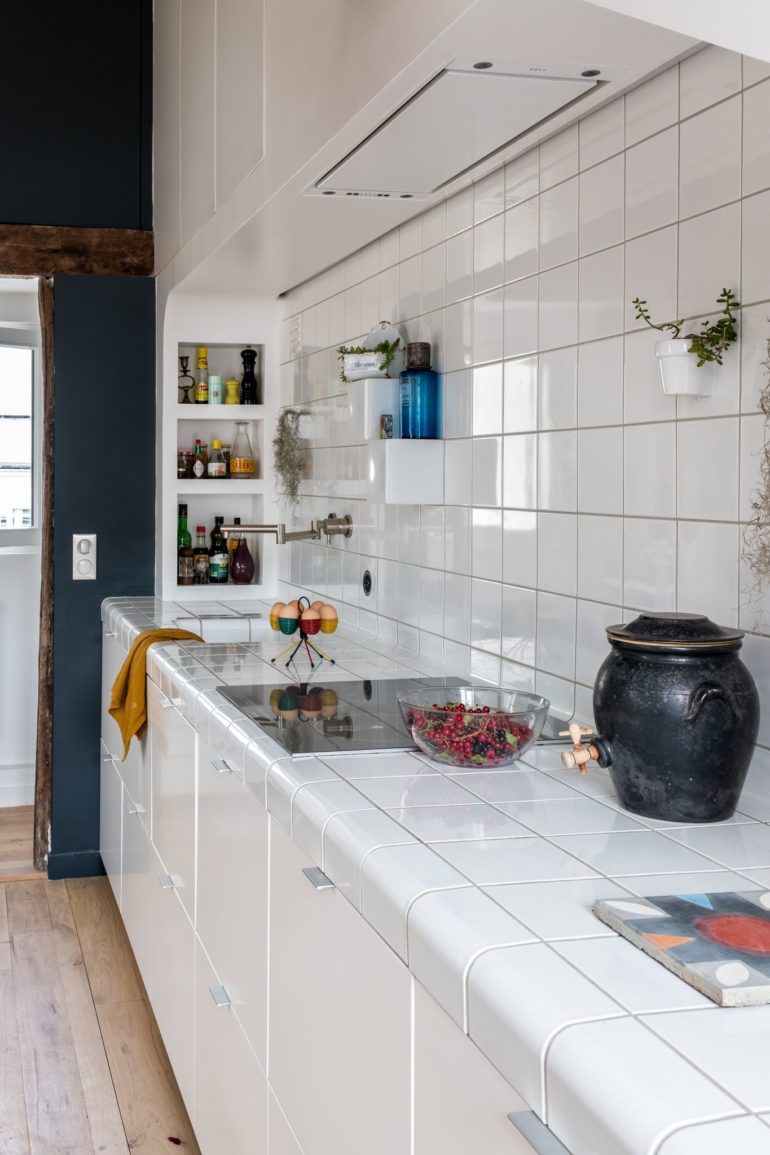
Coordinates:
[459,118]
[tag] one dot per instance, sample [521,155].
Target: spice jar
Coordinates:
[241,457]
[184,464]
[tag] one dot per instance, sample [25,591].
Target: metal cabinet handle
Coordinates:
[540,1138]
[221,766]
[167,882]
[177,702]
[136,810]
[110,758]
[220,997]
[166,703]
[110,634]
[317,878]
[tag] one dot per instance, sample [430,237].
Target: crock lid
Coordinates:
[675,632]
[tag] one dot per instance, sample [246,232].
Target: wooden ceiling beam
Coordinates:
[49,250]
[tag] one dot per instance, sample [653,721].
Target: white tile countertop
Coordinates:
[483,883]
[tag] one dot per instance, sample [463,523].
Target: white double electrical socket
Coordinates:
[83,557]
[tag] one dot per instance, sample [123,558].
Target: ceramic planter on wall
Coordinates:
[679,370]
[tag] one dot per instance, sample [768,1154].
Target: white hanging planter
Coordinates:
[679,371]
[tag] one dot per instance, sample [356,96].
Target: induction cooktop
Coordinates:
[340,717]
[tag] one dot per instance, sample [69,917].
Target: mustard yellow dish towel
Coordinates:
[128,704]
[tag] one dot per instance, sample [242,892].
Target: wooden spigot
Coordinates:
[579,755]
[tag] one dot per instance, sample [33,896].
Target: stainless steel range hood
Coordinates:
[458,119]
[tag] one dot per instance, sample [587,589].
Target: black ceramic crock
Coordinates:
[677,712]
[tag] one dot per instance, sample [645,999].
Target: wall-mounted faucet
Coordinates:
[327,527]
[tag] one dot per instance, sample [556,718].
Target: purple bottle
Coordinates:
[242,570]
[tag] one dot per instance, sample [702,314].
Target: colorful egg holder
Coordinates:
[307,622]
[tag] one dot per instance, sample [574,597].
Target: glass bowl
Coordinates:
[472,725]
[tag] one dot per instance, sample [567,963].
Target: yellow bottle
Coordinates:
[201,390]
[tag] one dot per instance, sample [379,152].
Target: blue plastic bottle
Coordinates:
[419,394]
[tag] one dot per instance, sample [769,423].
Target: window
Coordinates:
[17,389]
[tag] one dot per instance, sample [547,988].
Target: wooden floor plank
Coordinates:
[4,935]
[16,838]
[14,1136]
[57,1120]
[27,908]
[149,1098]
[104,1117]
[65,932]
[112,970]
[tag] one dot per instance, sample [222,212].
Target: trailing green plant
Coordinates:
[757,534]
[716,337]
[288,454]
[386,349]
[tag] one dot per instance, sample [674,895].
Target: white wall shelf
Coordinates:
[405,472]
[206,487]
[220,412]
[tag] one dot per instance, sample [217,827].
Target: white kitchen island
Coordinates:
[371,955]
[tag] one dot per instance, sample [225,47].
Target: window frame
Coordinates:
[28,336]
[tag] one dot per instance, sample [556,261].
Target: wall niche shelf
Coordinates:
[405,472]
[220,412]
[228,486]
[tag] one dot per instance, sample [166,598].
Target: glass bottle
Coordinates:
[201,391]
[250,391]
[217,466]
[241,456]
[243,564]
[232,544]
[200,459]
[201,558]
[184,574]
[218,561]
[419,393]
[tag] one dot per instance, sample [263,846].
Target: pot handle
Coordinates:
[708,692]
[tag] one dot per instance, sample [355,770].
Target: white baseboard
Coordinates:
[17,785]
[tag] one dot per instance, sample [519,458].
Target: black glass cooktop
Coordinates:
[339,717]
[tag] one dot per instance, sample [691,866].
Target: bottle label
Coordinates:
[217,469]
[218,567]
[201,393]
[198,467]
[242,466]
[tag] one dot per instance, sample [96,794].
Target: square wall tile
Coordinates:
[558,307]
[600,558]
[709,258]
[434,225]
[409,238]
[519,547]
[433,278]
[649,565]
[601,294]
[520,317]
[649,485]
[753,439]
[557,471]
[710,158]
[557,394]
[643,396]
[459,336]
[756,655]
[754,70]
[707,77]
[559,157]
[409,287]
[756,248]
[592,645]
[602,195]
[556,626]
[520,476]
[707,469]
[431,600]
[522,177]
[486,619]
[559,224]
[457,607]
[600,470]
[557,553]
[488,326]
[457,538]
[458,403]
[602,134]
[652,180]
[489,195]
[521,240]
[756,147]
[707,570]
[600,382]
[520,394]
[651,271]
[652,106]
[432,536]
[459,211]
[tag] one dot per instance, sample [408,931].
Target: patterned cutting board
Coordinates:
[718,943]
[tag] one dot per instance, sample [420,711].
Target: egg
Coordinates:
[289,611]
[275,698]
[294,602]
[327,613]
[316,605]
[310,615]
[275,612]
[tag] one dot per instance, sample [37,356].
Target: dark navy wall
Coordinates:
[104,484]
[77,150]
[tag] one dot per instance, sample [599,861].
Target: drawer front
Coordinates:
[232,890]
[111,823]
[172,745]
[230,1112]
[172,981]
[139,882]
[113,656]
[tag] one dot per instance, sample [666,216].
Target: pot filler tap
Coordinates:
[328,527]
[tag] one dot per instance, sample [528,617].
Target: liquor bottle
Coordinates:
[184,573]
[218,561]
[419,393]
[250,391]
[201,391]
[217,466]
[243,564]
[232,544]
[201,558]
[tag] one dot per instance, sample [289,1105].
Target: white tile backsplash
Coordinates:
[576,492]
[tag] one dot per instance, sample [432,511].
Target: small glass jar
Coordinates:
[242,463]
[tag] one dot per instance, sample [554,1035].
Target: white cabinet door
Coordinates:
[230,1111]
[135,770]
[172,747]
[111,822]
[139,883]
[172,981]
[232,892]
[339,1018]
[461,1102]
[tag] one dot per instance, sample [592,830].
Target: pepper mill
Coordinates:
[249,387]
